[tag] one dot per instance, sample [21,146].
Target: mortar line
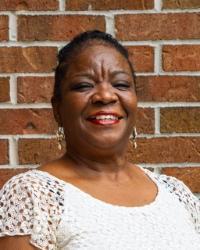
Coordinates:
[169,165]
[104,12]
[158,5]
[150,42]
[140,105]
[13,152]
[62,5]
[158,59]
[141,136]
[12,27]
[157,166]
[157,120]
[110,24]
[13,89]
[31,166]
[51,74]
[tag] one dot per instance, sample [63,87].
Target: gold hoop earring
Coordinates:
[133,139]
[60,136]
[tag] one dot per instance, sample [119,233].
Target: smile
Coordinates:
[104,119]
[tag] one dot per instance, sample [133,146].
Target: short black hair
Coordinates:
[78,42]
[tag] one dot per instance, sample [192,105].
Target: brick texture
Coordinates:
[38,151]
[181,58]
[145,121]
[29,59]
[27,121]
[34,89]
[180,120]
[3,28]
[4,151]
[109,4]
[142,58]
[189,175]
[165,150]
[181,4]
[56,28]
[158,26]
[163,48]
[4,90]
[29,5]
[6,174]
[168,88]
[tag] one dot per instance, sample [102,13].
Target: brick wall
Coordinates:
[163,40]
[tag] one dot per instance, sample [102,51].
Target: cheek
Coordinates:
[72,108]
[131,107]
[130,101]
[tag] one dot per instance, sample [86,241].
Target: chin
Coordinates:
[108,142]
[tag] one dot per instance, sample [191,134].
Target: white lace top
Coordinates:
[58,215]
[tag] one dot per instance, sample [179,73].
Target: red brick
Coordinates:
[165,150]
[168,88]
[142,58]
[29,59]
[189,175]
[27,121]
[181,4]
[109,5]
[3,28]
[181,58]
[38,151]
[29,5]
[180,120]
[34,89]
[145,121]
[6,174]
[56,28]
[4,151]
[4,90]
[158,26]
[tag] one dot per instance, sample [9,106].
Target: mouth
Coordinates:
[105,118]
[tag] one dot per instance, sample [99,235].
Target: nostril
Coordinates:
[104,97]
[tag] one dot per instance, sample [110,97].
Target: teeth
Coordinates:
[106,117]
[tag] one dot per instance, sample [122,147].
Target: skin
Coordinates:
[99,78]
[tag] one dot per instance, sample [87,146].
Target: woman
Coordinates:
[93,198]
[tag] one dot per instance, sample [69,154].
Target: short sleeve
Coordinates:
[185,196]
[31,205]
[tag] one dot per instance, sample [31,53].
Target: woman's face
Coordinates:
[98,100]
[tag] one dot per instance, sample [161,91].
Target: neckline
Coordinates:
[93,199]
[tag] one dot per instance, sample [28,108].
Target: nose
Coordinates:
[104,94]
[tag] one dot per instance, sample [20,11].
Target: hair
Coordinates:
[74,47]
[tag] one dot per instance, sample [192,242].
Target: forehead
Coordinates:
[98,56]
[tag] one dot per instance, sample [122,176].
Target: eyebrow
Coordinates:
[89,75]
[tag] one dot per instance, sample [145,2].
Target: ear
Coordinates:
[56,112]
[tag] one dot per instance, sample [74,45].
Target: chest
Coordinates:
[88,224]
[130,194]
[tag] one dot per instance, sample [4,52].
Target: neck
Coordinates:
[97,165]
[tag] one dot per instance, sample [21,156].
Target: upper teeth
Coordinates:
[106,117]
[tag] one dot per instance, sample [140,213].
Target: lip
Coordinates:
[104,122]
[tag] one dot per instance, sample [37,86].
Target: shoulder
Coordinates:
[33,183]
[31,204]
[183,195]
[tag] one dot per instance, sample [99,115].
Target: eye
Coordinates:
[121,85]
[82,86]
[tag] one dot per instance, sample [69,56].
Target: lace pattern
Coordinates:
[185,196]
[32,204]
